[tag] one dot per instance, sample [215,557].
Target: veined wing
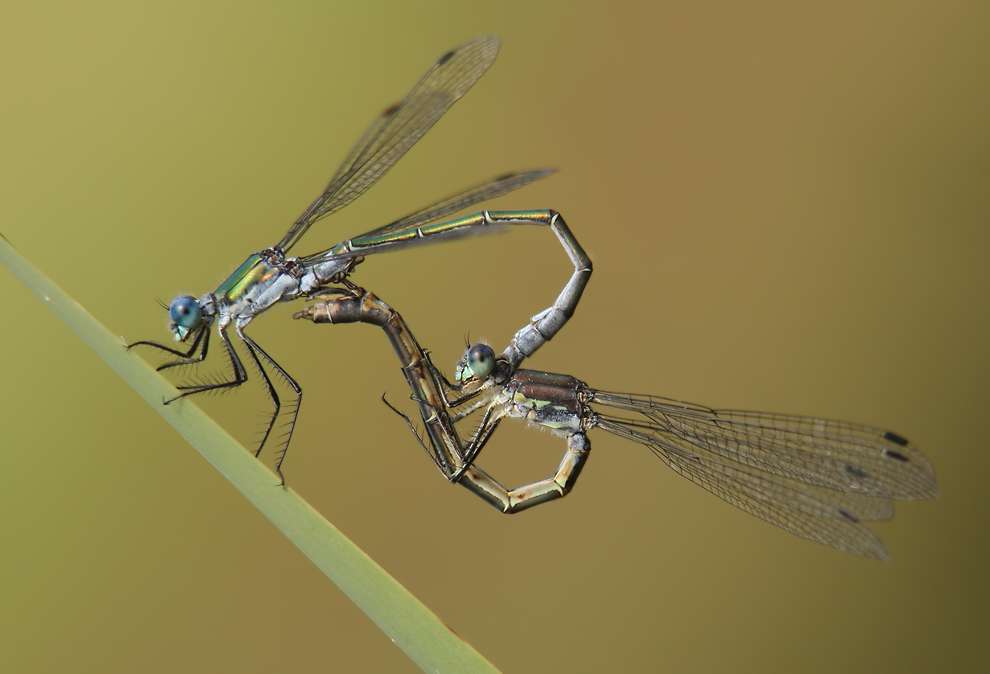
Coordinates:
[398,129]
[462,200]
[452,204]
[831,518]
[836,455]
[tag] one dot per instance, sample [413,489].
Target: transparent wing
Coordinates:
[462,200]
[398,129]
[833,519]
[834,455]
[452,204]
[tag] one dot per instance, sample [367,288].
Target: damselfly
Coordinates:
[817,478]
[268,277]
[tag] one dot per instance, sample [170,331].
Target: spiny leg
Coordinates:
[467,411]
[493,417]
[186,356]
[273,396]
[252,345]
[412,428]
[435,411]
[240,374]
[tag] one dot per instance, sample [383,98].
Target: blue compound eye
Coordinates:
[480,359]
[186,313]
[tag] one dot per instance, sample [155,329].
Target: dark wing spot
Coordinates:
[895,438]
[443,59]
[848,515]
[897,456]
[855,472]
[390,110]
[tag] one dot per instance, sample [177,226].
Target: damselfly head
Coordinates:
[187,316]
[477,363]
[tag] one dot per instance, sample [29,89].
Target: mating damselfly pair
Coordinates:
[269,276]
[819,479]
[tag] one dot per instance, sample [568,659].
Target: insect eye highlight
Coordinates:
[186,312]
[480,359]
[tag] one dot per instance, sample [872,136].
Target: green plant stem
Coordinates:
[406,620]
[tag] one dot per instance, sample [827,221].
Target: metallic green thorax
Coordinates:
[248,275]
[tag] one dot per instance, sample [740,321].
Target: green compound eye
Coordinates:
[480,359]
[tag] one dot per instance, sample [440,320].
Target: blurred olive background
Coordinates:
[787,210]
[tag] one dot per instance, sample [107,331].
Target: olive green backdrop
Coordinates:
[787,210]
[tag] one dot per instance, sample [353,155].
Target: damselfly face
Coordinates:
[187,317]
[475,365]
